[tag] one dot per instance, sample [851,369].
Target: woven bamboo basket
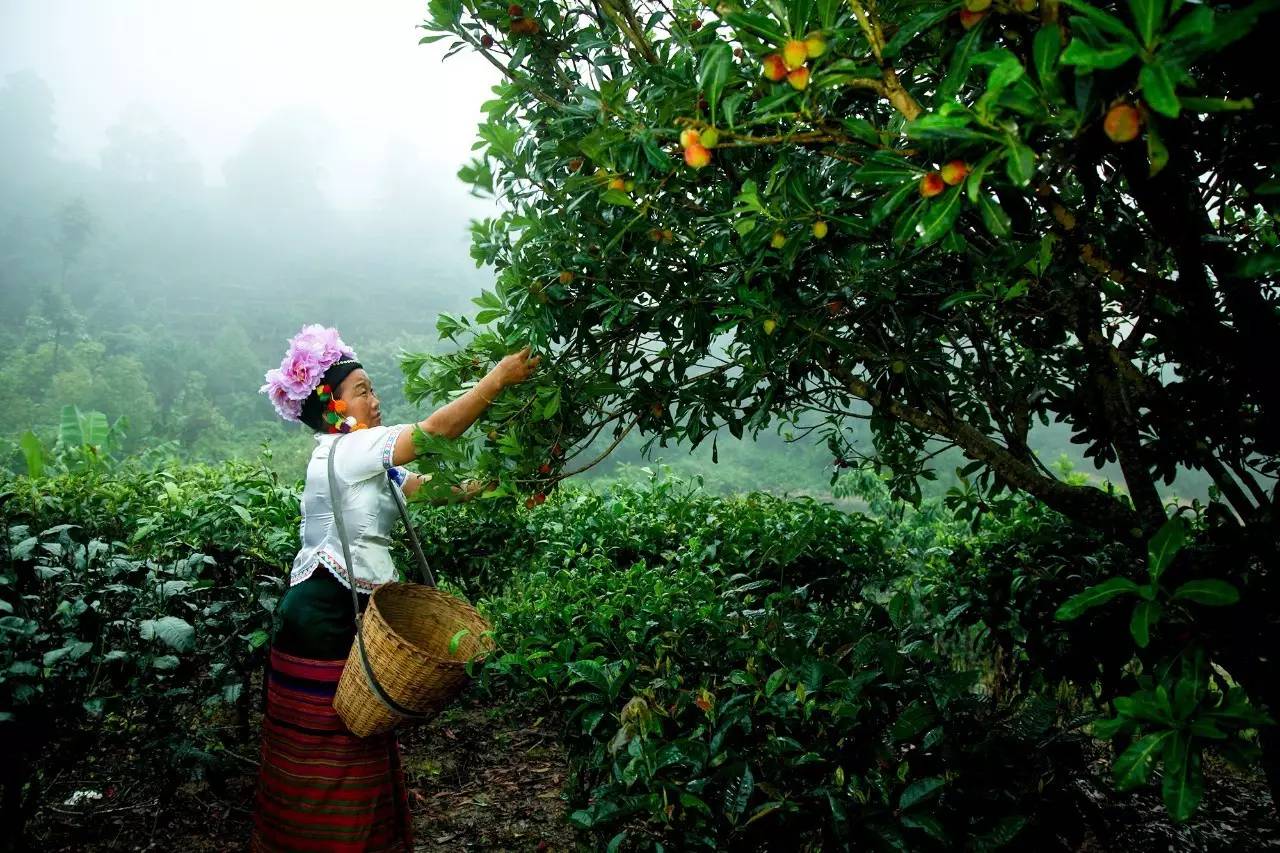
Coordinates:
[407,629]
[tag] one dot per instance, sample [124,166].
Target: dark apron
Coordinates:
[313,618]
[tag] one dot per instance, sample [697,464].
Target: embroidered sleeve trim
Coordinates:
[389,444]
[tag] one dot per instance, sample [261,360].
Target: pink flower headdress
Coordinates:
[311,352]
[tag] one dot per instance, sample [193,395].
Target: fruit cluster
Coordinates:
[948,176]
[697,145]
[790,64]
[973,11]
[520,25]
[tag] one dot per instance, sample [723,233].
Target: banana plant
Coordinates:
[86,440]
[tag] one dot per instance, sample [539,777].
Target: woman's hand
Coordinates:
[471,488]
[516,367]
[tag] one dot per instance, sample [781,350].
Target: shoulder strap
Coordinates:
[413,534]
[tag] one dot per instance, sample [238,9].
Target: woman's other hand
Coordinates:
[516,367]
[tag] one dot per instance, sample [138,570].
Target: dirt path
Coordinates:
[484,778]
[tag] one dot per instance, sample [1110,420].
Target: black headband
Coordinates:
[312,407]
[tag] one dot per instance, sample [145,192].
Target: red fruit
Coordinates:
[955,172]
[530,503]
[794,53]
[835,306]
[515,11]
[486,41]
[657,410]
[557,450]
[798,78]
[695,24]
[689,136]
[932,184]
[697,155]
[774,68]
[1122,123]
[575,164]
[544,468]
[539,498]
[969,20]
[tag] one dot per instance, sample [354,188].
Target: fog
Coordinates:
[353,75]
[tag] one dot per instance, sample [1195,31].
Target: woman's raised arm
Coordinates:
[452,419]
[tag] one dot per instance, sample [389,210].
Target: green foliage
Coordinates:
[1187,711]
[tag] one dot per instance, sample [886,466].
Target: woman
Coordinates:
[321,788]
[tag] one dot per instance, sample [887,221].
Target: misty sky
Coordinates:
[213,72]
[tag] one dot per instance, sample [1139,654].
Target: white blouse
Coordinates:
[362,468]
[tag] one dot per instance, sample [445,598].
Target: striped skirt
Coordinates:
[321,788]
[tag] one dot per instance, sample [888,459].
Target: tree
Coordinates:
[954,221]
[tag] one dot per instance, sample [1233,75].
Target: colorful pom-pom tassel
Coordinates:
[339,406]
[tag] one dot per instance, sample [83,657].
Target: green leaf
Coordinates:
[1194,25]
[1183,780]
[1145,706]
[1045,51]
[886,204]
[1157,152]
[993,216]
[1215,105]
[1214,593]
[1133,767]
[885,169]
[32,453]
[737,794]
[1104,728]
[1165,545]
[946,126]
[1148,15]
[69,433]
[456,639]
[713,73]
[618,197]
[1020,163]
[973,184]
[1000,836]
[1157,87]
[1145,614]
[1087,58]
[1237,24]
[1103,21]
[961,61]
[176,633]
[939,216]
[761,26]
[72,651]
[915,26]
[917,791]
[1260,264]
[914,719]
[1094,596]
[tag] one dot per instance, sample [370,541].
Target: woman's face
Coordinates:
[357,391]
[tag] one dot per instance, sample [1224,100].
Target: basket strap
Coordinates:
[413,534]
[335,501]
